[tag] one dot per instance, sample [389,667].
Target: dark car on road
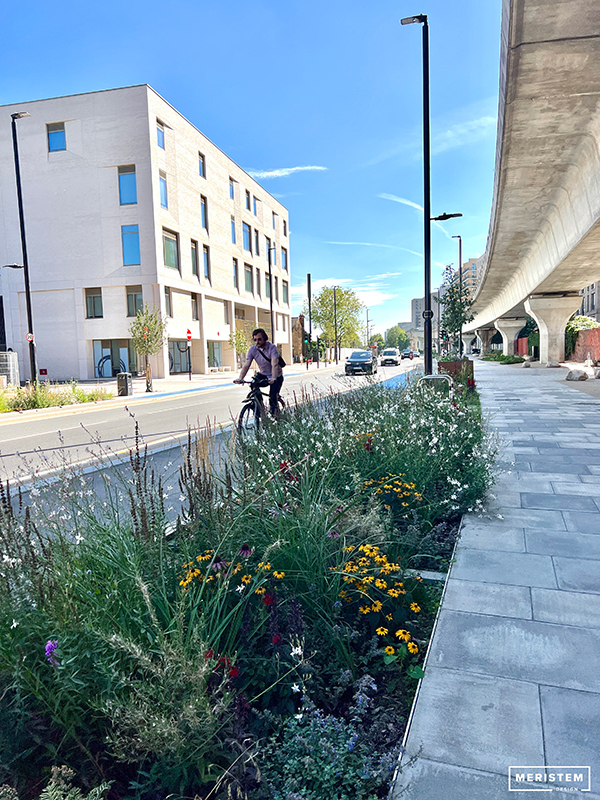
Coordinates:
[390,357]
[361,362]
[407,353]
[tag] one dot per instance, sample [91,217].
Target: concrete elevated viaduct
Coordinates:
[543,243]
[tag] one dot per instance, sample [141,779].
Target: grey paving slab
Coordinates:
[519,649]
[568,544]
[492,537]
[558,466]
[532,483]
[577,574]
[572,729]
[554,477]
[432,780]
[583,488]
[477,721]
[566,608]
[496,599]
[532,518]
[516,569]
[558,502]
[503,499]
[582,521]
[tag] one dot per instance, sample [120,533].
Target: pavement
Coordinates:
[512,674]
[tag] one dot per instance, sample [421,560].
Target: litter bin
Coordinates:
[124,384]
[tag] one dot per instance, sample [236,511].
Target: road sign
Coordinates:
[189,335]
[428,314]
[29,337]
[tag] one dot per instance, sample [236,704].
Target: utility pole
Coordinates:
[335,334]
[309,294]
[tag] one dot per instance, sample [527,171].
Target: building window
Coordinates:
[127,185]
[284,263]
[57,139]
[283,319]
[276,296]
[231,189]
[267,246]
[171,249]
[256,243]
[162,180]
[201,165]
[285,227]
[246,236]
[255,206]
[194,257]
[233,230]
[204,211]
[284,293]
[226,312]
[593,300]
[267,287]
[248,277]
[160,134]
[195,307]
[248,200]
[93,303]
[130,240]
[274,223]
[168,307]
[258,282]
[206,255]
[236,275]
[274,251]
[134,300]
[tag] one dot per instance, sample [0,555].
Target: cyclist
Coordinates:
[266,355]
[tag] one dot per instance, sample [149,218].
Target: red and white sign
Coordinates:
[29,337]
[189,335]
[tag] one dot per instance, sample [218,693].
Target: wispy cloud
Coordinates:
[462,133]
[282,173]
[410,203]
[365,244]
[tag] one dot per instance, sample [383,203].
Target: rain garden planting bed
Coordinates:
[267,646]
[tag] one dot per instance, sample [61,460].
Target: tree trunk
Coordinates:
[148,376]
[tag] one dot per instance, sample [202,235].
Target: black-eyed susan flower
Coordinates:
[279,575]
[389,650]
[412,647]
[403,635]
[382,631]
[415,607]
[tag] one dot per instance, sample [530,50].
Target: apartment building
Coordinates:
[127,203]
[589,305]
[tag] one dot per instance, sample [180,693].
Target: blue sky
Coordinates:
[331,87]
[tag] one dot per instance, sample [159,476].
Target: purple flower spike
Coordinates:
[332,534]
[51,646]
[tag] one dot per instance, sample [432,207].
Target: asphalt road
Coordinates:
[44,441]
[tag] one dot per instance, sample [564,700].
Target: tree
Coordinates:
[397,337]
[239,342]
[347,306]
[456,309]
[148,333]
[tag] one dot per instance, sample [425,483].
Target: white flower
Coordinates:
[240,588]
[296,652]
[295,688]
[14,624]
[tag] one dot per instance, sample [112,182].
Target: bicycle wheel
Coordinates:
[249,419]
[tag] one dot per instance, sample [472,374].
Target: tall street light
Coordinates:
[427,312]
[460,342]
[29,337]
[269,250]
[335,335]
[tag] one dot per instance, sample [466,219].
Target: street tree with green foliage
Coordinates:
[397,337]
[377,339]
[239,341]
[456,310]
[348,308]
[148,333]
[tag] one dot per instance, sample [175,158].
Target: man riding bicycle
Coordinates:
[266,355]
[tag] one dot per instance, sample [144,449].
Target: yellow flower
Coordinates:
[393,592]
[349,549]
[389,651]
[380,584]
[402,634]
[416,608]
[377,605]
[412,647]
[260,590]
[365,610]
[381,631]
[279,575]
[389,617]
[246,579]
[404,504]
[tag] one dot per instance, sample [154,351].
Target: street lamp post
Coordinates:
[427,312]
[269,249]
[460,286]
[335,335]
[30,337]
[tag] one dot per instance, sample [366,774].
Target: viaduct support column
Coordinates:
[508,329]
[485,336]
[466,341]
[552,314]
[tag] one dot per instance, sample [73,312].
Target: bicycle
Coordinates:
[254,409]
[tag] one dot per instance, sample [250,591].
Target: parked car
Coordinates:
[361,362]
[390,357]
[407,353]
